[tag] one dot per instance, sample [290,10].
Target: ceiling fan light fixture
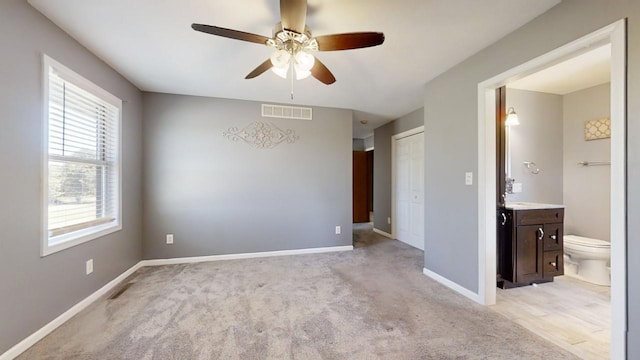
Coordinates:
[301,73]
[304,61]
[280,59]
[281,71]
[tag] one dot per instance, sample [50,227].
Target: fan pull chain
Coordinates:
[292,75]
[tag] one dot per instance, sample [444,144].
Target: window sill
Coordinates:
[65,241]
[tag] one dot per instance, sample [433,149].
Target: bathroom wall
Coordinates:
[551,134]
[586,189]
[382,165]
[538,138]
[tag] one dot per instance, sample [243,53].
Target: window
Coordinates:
[82,166]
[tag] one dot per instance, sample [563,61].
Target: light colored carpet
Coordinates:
[370,303]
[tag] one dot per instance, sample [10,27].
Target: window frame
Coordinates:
[77,237]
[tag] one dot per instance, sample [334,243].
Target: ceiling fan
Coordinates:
[293,42]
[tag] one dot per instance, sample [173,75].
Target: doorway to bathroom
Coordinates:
[558,166]
[530,168]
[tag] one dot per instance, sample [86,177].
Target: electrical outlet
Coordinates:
[468,178]
[338,230]
[89,266]
[389,220]
[169,238]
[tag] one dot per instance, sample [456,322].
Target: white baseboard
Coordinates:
[451,285]
[385,234]
[54,324]
[28,342]
[197,259]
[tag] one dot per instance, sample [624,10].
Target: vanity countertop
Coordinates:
[531,206]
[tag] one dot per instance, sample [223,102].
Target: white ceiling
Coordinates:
[151,43]
[577,73]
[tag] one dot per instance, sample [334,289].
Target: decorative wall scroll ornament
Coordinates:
[597,129]
[261,135]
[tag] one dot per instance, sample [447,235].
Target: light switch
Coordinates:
[468,178]
[338,230]
[517,187]
[89,267]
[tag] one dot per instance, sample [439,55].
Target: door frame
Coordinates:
[394,140]
[615,34]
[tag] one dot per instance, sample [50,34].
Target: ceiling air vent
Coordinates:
[286,112]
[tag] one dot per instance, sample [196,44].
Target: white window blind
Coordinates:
[83,180]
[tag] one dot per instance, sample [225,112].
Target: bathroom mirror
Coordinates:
[510,121]
[501,158]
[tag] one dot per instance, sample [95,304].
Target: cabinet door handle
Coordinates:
[541,232]
[552,263]
[504,219]
[553,237]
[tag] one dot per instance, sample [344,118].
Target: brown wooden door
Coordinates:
[528,253]
[360,195]
[370,180]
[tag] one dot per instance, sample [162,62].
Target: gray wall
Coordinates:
[368,142]
[382,165]
[451,139]
[221,197]
[357,144]
[587,195]
[538,138]
[36,290]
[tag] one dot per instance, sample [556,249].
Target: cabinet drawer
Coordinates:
[553,237]
[532,217]
[552,264]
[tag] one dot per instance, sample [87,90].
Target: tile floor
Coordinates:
[571,313]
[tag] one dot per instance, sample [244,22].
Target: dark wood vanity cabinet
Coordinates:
[529,246]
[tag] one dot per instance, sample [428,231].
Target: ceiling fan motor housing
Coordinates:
[292,41]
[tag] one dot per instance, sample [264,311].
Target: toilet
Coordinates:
[587,259]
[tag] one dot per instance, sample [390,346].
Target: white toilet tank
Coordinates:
[586,241]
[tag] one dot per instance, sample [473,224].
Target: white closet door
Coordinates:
[410,190]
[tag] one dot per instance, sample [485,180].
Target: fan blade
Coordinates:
[349,41]
[320,72]
[231,34]
[260,69]
[293,14]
